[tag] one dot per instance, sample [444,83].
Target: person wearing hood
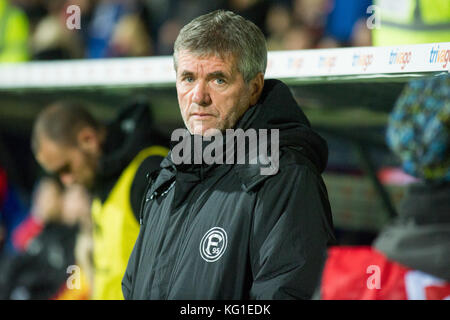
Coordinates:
[410,258]
[226,229]
[112,161]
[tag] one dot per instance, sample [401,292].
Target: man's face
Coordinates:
[71,164]
[212,93]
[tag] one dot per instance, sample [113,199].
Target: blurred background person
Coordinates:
[297,37]
[112,161]
[130,38]
[178,13]
[345,24]
[52,39]
[45,207]
[361,36]
[76,211]
[277,23]
[13,211]
[40,270]
[106,14]
[114,28]
[412,21]
[410,258]
[312,16]
[309,24]
[14,33]
[253,10]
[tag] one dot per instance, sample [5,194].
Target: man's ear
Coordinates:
[88,139]
[256,87]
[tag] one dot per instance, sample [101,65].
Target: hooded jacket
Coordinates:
[225,231]
[412,255]
[420,238]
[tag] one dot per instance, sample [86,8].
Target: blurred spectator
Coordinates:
[112,161]
[12,212]
[46,206]
[412,21]
[312,14]
[130,38]
[297,38]
[410,258]
[13,33]
[40,270]
[52,39]
[346,18]
[35,10]
[361,35]
[278,22]
[180,13]
[155,13]
[167,35]
[105,17]
[3,186]
[128,28]
[254,10]
[76,210]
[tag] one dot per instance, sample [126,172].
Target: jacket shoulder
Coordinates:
[290,159]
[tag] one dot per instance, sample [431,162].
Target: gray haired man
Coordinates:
[222,230]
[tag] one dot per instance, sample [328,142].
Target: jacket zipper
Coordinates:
[144,199]
[185,229]
[183,245]
[169,287]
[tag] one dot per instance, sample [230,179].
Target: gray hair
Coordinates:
[222,33]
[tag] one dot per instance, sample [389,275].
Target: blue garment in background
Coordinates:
[342,18]
[12,213]
[101,28]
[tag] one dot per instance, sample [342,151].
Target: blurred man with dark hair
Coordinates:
[112,161]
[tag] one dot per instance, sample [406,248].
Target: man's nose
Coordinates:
[201,94]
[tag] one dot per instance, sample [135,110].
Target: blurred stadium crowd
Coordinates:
[132,28]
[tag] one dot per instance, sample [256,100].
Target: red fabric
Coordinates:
[363,273]
[350,274]
[3,185]
[438,292]
[26,232]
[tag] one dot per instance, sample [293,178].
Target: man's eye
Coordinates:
[189,79]
[220,81]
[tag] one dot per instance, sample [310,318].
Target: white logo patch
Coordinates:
[213,244]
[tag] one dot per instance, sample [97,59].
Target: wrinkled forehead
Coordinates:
[187,59]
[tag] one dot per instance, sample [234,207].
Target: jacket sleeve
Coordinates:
[140,182]
[291,228]
[127,280]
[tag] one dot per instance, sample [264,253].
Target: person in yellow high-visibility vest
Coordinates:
[113,162]
[411,22]
[13,34]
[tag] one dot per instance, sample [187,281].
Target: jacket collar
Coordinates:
[126,136]
[276,109]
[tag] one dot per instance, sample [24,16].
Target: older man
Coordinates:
[223,230]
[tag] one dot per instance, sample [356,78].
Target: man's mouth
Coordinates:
[201,115]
